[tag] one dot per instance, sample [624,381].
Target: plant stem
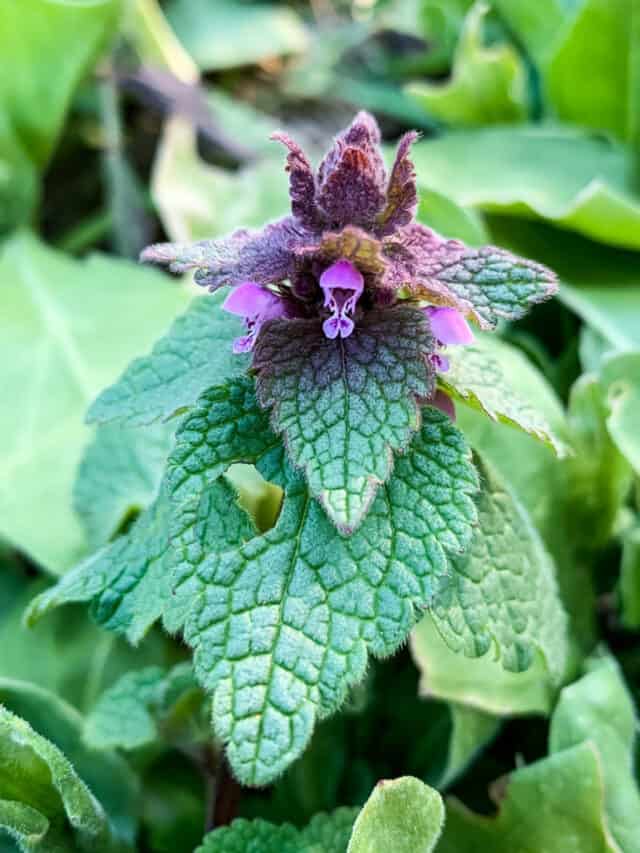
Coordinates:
[210,766]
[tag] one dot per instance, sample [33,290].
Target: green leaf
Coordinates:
[197,200]
[620,378]
[127,582]
[450,219]
[502,595]
[472,730]
[345,406]
[106,774]
[500,604]
[225,426]
[478,375]
[22,823]
[588,76]
[67,654]
[599,709]
[403,815]
[139,707]
[552,806]
[195,353]
[608,302]
[629,586]
[36,36]
[536,23]
[487,85]
[118,477]
[583,797]
[597,282]
[437,21]
[36,774]
[599,476]
[572,179]
[482,684]
[327,833]
[68,328]
[316,600]
[234,33]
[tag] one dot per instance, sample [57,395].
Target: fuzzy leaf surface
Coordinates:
[37,775]
[127,582]
[107,775]
[130,713]
[193,355]
[281,625]
[344,407]
[326,833]
[477,376]
[500,603]
[403,815]
[486,284]
[503,592]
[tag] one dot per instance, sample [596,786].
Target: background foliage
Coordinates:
[126,121]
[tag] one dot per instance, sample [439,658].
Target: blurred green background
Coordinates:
[124,122]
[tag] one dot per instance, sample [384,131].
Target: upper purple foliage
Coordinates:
[351,221]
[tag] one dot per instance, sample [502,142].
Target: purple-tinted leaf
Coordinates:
[264,257]
[344,406]
[483,284]
[402,195]
[352,178]
[302,185]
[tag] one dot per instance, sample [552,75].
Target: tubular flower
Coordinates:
[342,285]
[448,326]
[256,305]
[351,249]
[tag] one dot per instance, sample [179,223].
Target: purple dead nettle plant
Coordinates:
[351,258]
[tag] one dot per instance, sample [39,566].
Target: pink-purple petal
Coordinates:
[249,300]
[449,326]
[342,275]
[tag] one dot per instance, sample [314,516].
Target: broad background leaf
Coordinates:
[68,328]
[585,795]
[232,33]
[488,84]
[36,36]
[183,363]
[562,175]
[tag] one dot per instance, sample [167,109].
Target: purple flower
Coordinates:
[342,285]
[352,241]
[256,305]
[449,326]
